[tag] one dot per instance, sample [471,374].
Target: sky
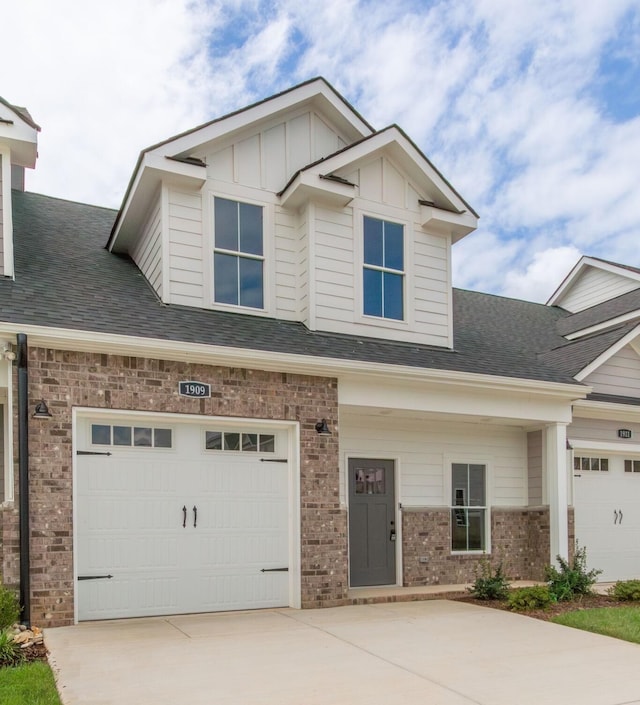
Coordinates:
[530,108]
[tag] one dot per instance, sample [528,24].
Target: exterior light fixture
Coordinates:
[7,353]
[322,429]
[42,410]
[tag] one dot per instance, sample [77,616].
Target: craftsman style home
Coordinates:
[255,386]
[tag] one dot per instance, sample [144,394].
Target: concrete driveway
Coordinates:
[433,652]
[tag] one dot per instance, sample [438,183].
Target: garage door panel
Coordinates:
[130,525]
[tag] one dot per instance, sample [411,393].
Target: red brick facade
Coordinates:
[73,379]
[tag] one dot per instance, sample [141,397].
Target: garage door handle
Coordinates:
[195,516]
[184,516]
[621,515]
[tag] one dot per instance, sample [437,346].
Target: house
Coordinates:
[255,386]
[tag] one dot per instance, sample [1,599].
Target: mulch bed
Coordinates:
[585,602]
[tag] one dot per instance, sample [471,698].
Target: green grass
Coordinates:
[619,622]
[30,684]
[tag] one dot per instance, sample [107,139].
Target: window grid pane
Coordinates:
[383,272]
[468,510]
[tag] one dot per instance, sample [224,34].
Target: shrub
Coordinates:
[489,584]
[573,578]
[537,597]
[10,653]
[626,590]
[9,608]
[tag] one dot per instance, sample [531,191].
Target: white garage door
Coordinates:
[607,512]
[176,518]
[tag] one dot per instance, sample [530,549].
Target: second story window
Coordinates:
[238,258]
[383,275]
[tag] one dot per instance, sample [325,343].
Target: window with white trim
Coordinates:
[238,254]
[582,462]
[383,269]
[128,436]
[468,507]
[242,442]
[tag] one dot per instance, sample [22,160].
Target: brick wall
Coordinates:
[520,538]
[68,379]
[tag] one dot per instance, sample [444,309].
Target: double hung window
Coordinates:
[468,507]
[383,271]
[238,257]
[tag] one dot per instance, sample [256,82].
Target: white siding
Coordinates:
[383,193]
[594,430]
[267,159]
[303,267]
[187,259]
[595,286]
[148,251]
[620,374]
[424,450]
[286,264]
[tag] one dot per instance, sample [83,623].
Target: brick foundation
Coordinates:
[70,379]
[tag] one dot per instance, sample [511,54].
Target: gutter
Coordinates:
[23,483]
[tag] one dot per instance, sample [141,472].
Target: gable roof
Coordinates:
[583,263]
[59,243]
[315,90]
[22,113]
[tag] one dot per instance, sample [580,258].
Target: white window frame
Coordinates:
[470,460]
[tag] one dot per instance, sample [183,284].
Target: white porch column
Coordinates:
[557,489]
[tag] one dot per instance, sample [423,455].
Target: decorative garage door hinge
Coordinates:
[94,577]
[273,460]
[92,452]
[274,570]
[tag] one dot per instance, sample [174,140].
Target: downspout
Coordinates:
[23,477]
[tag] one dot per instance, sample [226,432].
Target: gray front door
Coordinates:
[372,529]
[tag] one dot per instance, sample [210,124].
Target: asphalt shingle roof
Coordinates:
[625,303]
[66,278]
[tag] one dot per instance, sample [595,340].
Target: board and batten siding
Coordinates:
[267,159]
[383,192]
[595,286]
[620,374]
[187,259]
[424,448]
[148,251]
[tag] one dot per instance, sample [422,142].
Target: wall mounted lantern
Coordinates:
[42,410]
[322,428]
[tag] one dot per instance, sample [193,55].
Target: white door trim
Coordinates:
[293,455]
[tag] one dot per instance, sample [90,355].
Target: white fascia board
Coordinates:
[21,137]
[154,169]
[89,341]
[312,187]
[577,270]
[606,447]
[457,225]
[6,231]
[604,325]
[405,154]
[316,92]
[607,411]
[608,353]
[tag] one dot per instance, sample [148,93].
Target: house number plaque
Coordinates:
[624,433]
[199,390]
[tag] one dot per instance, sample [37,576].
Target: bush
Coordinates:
[10,653]
[489,584]
[626,590]
[537,597]
[9,608]
[573,578]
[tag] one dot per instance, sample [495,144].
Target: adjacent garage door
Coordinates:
[607,512]
[176,518]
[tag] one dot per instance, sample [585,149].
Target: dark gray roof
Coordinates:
[613,398]
[66,278]
[617,264]
[576,355]
[625,303]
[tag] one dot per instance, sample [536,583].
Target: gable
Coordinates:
[593,281]
[619,375]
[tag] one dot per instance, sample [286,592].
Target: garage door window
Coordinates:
[632,466]
[241,442]
[128,436]
[591,464]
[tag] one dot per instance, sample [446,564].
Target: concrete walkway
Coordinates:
[435,652]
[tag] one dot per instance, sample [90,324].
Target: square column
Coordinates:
[557,489]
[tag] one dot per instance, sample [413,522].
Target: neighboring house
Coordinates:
[349,418]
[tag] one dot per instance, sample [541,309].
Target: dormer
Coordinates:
[296,208]
[18,150]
